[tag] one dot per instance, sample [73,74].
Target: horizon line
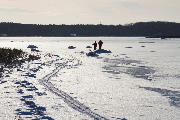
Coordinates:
[88,23]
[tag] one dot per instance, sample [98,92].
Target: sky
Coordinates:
[88,11]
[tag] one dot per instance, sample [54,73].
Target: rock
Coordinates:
[71,47]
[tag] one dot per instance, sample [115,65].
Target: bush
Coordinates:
[12,57]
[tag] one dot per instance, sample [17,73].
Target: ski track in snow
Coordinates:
[75,104]
[29,109]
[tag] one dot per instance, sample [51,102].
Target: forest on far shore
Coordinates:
[144,29]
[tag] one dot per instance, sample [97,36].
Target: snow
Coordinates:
[141,83]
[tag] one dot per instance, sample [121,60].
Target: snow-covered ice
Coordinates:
[140,83]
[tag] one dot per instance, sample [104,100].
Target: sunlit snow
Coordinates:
[131,78]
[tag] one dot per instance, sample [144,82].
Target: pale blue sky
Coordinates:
[88,11]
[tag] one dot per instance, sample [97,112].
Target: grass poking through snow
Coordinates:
[12,57]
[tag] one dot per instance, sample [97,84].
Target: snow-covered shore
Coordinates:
[130,82]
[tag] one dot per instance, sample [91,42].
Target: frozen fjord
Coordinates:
[138,80]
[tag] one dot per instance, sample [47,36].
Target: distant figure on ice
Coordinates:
[95,45]
[100,44]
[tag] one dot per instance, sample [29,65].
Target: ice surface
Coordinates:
[174,96]
[141,83]
[128,66]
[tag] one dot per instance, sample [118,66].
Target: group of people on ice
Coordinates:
[99,43]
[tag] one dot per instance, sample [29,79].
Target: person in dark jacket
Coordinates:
[95,45]
[100,44]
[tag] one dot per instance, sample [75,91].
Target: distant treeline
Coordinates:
[146,29]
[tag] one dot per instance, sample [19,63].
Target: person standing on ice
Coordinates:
[95,45]
[100,44]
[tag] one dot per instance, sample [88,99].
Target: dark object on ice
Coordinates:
[124,119]
[20,91]
[143,46]
[1,82]
[32,46]
[88,47]
[95,45]
[82,52]
[163,37]
[95,53]
[71,47]
[100,44]
[102,51]
[92,54]
[128,47]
